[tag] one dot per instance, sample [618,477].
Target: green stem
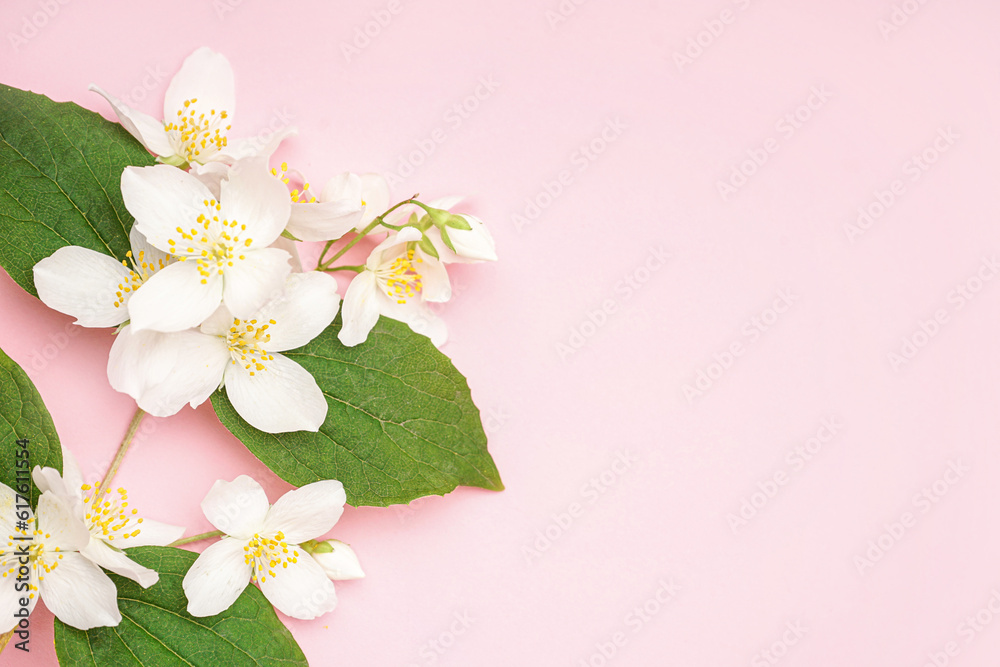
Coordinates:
[323,266]
[122,449]
[357,268]
[196,538]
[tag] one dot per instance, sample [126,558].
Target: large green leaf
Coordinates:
[401,422]
[60,181]
[23,417]
[156,629]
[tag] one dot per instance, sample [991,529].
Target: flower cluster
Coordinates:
[57,552]
[212,290]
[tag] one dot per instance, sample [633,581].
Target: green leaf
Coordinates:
[23,416]
[157,630]
[427,246]
[401,422]
[60,181]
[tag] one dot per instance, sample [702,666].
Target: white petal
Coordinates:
[219,323]
[375,193]
[63,528]
[255,198]
[211,176]
[471,246]
[446,203]
[66,484]
[206,76]
[324,221]
[153,533]
[391,247]
[143,127]
[283,398]
[165,371]
[265,143]
[292,248]
[217,578]
[80,594]
[435,285]
[176,298]
[346,187]
[144,251]
[307,512]
[341,563]
[8,511]
[252,282]
[102,554]
[163,198]
[307,307]
[83,283]
[10,597]
[418,316]
[361,309]
[236,508]
[301,590]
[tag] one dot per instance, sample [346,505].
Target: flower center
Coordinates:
[401,280]
[246,339]
[303,196]
[138,273]
[29,542]
[197,136]
[212,243]
[108,517]
[266,554]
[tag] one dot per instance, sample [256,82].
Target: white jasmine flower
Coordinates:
[163,372]
[348,202]
[93,287]
[397,281]
[221,246]
[197,115]
[110,522]
[40,558]
[262,544]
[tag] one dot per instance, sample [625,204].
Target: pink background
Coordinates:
[559,417]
